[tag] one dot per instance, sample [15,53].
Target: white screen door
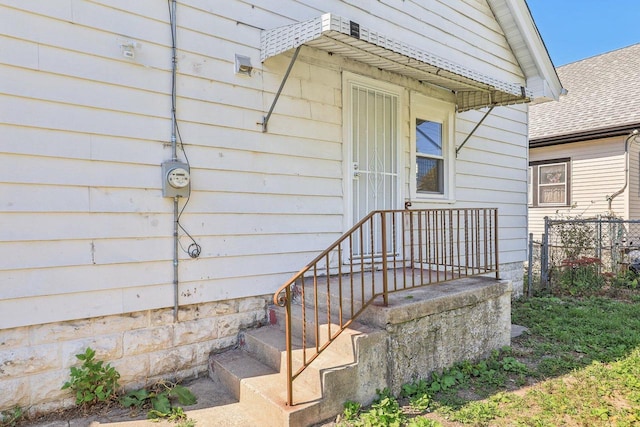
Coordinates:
[374,142]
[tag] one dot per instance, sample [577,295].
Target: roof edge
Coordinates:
[546,83]
[589,135]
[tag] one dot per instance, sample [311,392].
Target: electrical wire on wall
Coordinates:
[177,173]
[194,249]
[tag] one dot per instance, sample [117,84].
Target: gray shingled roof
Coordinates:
[604,92]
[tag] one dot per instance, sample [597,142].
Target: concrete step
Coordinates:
[312,333]
[261,391]
[255,374]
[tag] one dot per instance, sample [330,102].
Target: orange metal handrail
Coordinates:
[397,250]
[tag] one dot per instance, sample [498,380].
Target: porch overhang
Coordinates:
[347,38]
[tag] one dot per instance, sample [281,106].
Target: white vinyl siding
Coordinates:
[597,171]
[85,231]
[491,171]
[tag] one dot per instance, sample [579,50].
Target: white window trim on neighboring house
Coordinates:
[426,108]
[535,185]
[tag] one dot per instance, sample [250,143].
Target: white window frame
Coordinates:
[541,186]
[535,186]
[434,110]
[530,186]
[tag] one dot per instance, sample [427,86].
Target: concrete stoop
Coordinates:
[255,374]
[420,331]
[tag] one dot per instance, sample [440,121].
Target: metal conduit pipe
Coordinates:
[174,154]
[634,133]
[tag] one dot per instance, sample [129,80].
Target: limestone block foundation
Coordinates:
[143,346]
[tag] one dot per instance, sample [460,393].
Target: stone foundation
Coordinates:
[422,330]
[143,346]
[513,272]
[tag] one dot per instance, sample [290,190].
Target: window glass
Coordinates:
[552,179]
[429,157]
[430,175]
[552,174]
[428,137]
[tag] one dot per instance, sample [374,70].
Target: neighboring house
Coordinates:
[87,254]
[577,160]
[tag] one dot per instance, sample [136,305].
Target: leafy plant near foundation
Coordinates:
[11,417]
[94,381]
[159,400]
[487,375]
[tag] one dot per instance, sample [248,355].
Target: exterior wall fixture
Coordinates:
[243,65]
[633,135]
[128,48]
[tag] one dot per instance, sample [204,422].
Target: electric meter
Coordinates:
[176,179]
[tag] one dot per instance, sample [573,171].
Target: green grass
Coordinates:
[568,333]
[579,365]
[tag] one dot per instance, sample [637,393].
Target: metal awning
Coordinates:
[343,37]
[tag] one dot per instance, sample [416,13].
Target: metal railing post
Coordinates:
[287,332]
[385,278]
[530,272]
[496,245]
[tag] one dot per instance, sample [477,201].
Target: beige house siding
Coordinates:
[633,192]
[597,171]
[86,233]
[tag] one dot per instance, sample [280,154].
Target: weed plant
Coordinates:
[580,276]
[94,381]
[11,417]
[158,400]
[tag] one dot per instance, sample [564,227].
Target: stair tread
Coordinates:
[272,336]
[242,365]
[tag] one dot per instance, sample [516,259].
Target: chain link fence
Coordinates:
[533,267]
[582,249]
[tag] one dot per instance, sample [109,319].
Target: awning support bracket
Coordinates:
[266,118]
[474,129]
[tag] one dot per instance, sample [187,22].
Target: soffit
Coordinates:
[347,38]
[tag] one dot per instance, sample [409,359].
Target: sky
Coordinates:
[577,29]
